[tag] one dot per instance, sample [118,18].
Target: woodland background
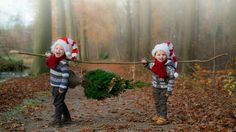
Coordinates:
[127,30]
[121,31]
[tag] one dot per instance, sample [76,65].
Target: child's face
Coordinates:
[160,55]
[59,51]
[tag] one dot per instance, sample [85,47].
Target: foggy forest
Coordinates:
[113,33]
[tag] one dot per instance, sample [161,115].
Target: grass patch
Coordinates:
[6,116]
[11,113]
[31,102]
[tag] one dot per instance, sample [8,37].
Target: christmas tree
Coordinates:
[100,84]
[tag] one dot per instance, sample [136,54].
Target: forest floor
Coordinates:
[196,105]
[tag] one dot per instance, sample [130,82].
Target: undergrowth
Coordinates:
[203,80]
[27,103]
[11,64]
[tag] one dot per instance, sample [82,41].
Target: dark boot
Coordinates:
[55,123]
[66,119]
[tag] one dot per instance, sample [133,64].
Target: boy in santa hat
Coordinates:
[63,49]
[163,80]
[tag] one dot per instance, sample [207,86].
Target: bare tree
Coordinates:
[145,27]
[232,18]
[136,32]
[70,24]
[83,32]
[130,42]
[61,31]
[185,28]
[42,36]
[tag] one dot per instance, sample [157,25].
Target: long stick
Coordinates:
[203,61]
[101,62]
[26,53]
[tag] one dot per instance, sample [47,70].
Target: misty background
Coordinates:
[122,30]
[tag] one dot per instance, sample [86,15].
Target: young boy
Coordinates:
[162,80]
[59,70]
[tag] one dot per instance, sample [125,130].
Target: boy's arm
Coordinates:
[147,64]
[65,76]
[171,80]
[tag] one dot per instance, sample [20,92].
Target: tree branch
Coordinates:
[102,62]
[203,61]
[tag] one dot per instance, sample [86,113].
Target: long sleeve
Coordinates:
[149,64]
[60,75]
[65,76]
[171,80]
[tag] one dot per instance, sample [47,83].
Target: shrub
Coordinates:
[230,83]
[100,84]
[11,64]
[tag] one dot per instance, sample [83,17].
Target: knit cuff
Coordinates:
[169,88]
[147,64]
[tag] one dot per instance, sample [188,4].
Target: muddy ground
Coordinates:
[188,109]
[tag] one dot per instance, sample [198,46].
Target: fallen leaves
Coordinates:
[192,107]
[15,90]
[14,125]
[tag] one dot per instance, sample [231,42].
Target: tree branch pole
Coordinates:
[103,62]
[26,53]
[203,61]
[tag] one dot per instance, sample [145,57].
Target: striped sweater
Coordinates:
[60,75]
[167,82]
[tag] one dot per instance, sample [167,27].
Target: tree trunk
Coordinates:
[42,36]
[60,19]
[114,47]
[145,17]
[136,31]
[149,28]
[188,27]
[232,34]
[130,43]
[83,33]
[70,26]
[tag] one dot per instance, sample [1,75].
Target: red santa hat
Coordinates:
[172,56]
[162,47]
[171,49]
[69,45]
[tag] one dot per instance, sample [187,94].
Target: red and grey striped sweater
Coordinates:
[167,82]
[60,75]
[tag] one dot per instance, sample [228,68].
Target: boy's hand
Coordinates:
[168,93]
[144,61]
[48,54]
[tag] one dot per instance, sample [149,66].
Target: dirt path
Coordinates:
[189,108]
[127,112]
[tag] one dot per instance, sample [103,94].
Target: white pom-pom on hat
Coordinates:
[162,47]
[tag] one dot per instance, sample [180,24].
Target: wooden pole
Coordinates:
[103,62]
[26,53]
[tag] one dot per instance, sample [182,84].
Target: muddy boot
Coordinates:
[55,123]
[161,121]
[53,116]
[66,119]
[155,118]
